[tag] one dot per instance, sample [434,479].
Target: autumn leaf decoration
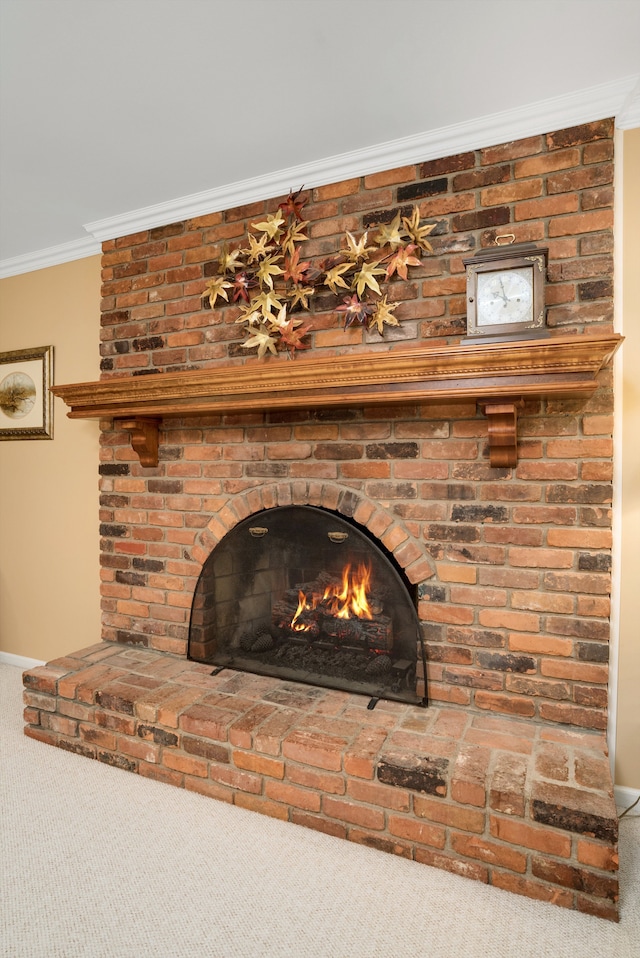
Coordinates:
[271,285]
[365,264]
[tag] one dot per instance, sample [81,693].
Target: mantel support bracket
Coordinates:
[503,431]
[144,438]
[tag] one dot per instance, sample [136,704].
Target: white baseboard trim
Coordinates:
[627,796]
[19,661]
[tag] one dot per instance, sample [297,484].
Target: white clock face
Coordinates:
[505,296]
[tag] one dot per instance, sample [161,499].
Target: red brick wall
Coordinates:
[515,604]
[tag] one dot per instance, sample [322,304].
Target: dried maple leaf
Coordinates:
[294,270]
[300,296]
[295,234]
[333,277]
[265,302]
[416,232]
[272,226]
[228,261]
[241,285]
[292,206]
[357,249]
[263,339]
[313,275]
[355,311]
[331,261]
[217,286]
[390,234]
[258,248]
[292,337]
[401,259]
[277,322]
[384,314]
[267,269]
[367,277]
[251,316]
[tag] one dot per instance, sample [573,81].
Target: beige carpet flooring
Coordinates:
[98,863]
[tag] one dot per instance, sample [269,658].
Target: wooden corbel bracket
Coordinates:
[144,438]
[503,431]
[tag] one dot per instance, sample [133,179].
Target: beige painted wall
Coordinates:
[627,770]
[49,544]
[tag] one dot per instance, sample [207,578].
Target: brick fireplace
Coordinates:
[505,776]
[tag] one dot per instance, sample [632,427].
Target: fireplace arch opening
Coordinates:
[301,593]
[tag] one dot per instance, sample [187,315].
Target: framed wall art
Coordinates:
[26,404]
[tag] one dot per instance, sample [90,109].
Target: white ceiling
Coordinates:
[112,106]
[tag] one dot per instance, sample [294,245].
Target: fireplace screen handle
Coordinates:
[259,531]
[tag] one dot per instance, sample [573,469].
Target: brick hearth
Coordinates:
[514,804]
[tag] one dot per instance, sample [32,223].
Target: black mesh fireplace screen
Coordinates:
[300,593]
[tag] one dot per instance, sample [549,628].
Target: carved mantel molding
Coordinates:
[499,376]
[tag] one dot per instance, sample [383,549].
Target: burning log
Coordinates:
[379,634]
[335,609]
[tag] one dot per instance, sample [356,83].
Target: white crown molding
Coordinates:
[557,113]
[545,116]
[629,116]
[52,256]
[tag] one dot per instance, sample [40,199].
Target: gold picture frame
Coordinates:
[26,403]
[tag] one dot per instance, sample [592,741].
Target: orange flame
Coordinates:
[303,605]
[345,601]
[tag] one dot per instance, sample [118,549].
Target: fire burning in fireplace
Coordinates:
[336,611]
[346,600]
[308,597]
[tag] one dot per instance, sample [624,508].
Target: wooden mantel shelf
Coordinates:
[497,375]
